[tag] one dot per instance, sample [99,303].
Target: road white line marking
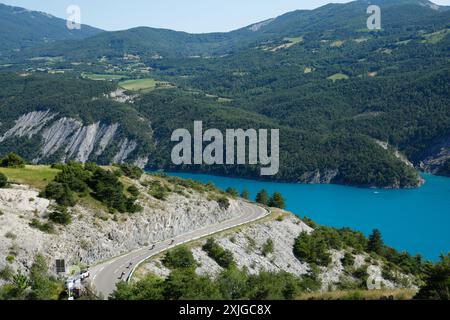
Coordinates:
[191,236]
[267,212]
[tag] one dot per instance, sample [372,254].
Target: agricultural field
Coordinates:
[338,76]
[143,84]
[104,77]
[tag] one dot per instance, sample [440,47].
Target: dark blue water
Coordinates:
[416,220]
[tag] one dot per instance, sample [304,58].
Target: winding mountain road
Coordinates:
[106,275]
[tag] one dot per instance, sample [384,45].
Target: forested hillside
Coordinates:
[354,106]
[21,29]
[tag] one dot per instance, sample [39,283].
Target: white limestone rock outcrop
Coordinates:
[94,234]
[70,139]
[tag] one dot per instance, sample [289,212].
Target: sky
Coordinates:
[195,16]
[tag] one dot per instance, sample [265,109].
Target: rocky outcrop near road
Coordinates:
[282,229]
[94,234]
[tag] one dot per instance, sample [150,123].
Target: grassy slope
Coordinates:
[35,176]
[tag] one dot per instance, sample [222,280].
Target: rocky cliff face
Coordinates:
[435,156]
[70,139]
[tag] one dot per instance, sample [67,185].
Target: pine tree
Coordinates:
[277,201]
[375,243]
[232,192]
[245,194]
[262,197]
[12,160]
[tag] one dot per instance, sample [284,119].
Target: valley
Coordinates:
[301,157]
[315,88]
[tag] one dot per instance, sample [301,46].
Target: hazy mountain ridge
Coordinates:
[22,28]
[336,18]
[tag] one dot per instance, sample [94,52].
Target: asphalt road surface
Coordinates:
[105,276]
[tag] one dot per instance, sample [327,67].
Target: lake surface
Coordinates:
[416,220]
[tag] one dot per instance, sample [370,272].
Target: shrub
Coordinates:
[133,190]
[224,203]
[131,171]
[159,193]
[3,180]
[309,222]
[179,258]
[44,227]
[224,258]
[268,247]
[10,235]
[60,216]
[6,273]
[348,260]
[361,274]
[312,249]
[59,192]
[12,160]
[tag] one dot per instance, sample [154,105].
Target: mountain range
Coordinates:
[353,106]
[22,28]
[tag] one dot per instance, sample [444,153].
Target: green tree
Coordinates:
[262,197]
[245,194]
[233,284]
[108,189]
[59,192]
[43,287]
[3,180]
[224,258]
[185,284]
[268,247]
[312,249]
[273,286]
[74,176]
[12,160]
[60,216]
[232,192]
[180,258]
[149,288]
[277,201]
[437,281]
[375,243]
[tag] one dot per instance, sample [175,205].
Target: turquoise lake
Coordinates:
[416,220]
